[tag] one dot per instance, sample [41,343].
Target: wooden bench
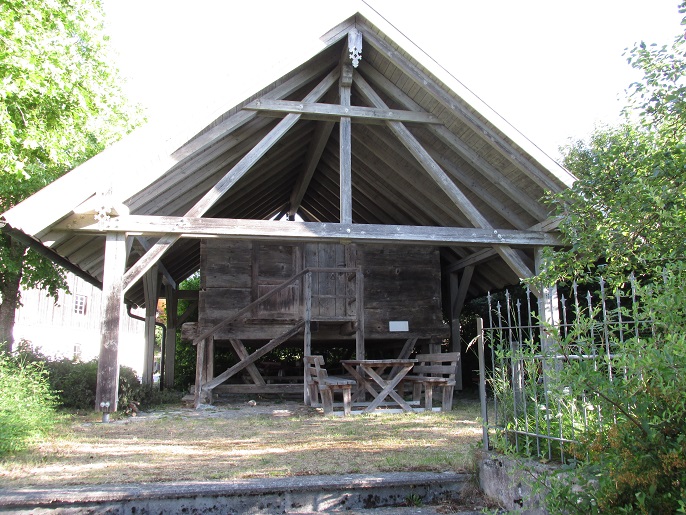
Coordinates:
[434,371]
[320,385]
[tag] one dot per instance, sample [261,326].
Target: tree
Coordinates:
[627,211]
[59,105]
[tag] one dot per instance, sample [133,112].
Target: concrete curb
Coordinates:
[303,494]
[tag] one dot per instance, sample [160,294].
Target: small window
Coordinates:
[80,302]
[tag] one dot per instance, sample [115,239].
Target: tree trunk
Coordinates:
[9,290]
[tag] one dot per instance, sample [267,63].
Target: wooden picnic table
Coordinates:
[369,376]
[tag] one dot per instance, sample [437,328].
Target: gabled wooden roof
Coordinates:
[424,166]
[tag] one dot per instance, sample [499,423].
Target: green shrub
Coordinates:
[74,382]
[27,404]
[635,462]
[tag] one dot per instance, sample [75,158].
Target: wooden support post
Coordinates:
[150,294]
[548,308]
[455,343]
[307,334]
[199,368]
[170,343]
[107,389]
[208,372]
[345,124]
[359,305]
[458,294]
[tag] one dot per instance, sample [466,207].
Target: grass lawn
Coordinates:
[281,439]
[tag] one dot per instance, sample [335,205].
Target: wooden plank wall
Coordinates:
[401,283]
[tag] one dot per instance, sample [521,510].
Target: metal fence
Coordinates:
[525,406]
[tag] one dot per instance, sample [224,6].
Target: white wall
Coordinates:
[58,330]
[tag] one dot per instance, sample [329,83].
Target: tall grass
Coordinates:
[27,404]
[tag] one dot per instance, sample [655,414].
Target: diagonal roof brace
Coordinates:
[225,183]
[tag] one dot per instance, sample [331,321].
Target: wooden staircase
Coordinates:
[312,302]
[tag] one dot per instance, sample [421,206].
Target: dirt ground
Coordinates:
[243,439]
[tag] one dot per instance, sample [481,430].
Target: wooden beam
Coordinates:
[169,355]
[463,289]
[472,260]
[216,133]
[321,136]
[334,112]
[146,247]
[463,180]
[345,143]
[495,176]
[214,194]
[192,308]
[242,354]
[253,357]
[478,189]
[107,389]
[150,293]
[425,160]
[241,229]
[458,198]
[457,107]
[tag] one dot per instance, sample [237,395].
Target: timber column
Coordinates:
[107,390]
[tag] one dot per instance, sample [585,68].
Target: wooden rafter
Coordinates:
[456,145]
[417,75]
[314,153]
[214,194]
[509,255]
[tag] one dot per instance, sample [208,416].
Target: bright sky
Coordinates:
[551,68]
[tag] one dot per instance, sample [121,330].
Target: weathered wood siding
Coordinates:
[401,284]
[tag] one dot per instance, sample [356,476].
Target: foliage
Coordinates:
[27,405]
[627,211]
[60,103]
[185,355]
[74,383]
[635,459]
[616,391]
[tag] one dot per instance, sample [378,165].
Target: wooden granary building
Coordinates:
[356,200]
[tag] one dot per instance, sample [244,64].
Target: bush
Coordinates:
[636,461]
[27,404]
[74,382]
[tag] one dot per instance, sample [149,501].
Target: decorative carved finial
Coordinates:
[355,46]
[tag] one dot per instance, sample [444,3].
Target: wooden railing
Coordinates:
[354,274]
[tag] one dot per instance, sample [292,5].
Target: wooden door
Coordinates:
[331,291]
